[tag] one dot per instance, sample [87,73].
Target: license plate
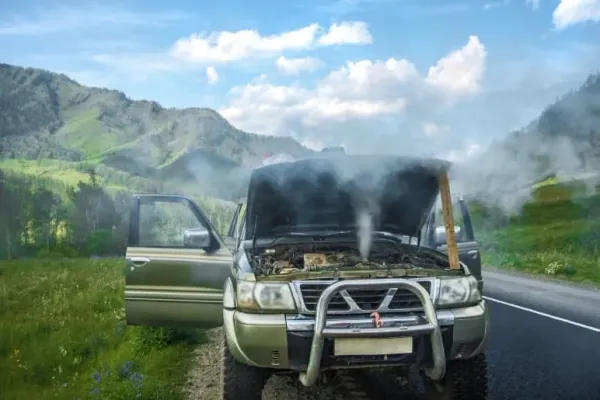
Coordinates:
[368,346]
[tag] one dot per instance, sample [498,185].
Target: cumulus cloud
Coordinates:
[572,12]
[461,70]
[233,46]
[293,66]
[211,75]
[346,33]
[368,96]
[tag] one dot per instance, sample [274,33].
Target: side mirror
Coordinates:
[197,238]
[439,234]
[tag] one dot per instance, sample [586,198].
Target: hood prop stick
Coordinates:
[449,221]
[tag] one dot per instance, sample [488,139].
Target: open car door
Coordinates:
[177,264]
[468,248]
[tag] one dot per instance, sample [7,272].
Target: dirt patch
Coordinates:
[204,378]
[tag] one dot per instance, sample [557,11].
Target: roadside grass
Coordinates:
[557,233]
[568,249]
[63,336]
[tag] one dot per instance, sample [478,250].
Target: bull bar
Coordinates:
[310,376]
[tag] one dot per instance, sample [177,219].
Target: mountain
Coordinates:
[564,140]
[44,115]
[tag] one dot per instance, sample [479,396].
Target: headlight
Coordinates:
[265,296]
[245,295]
[458,291]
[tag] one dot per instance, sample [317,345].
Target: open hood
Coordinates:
[341,192]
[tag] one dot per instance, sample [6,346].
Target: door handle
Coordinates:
[473,253]
[139,261]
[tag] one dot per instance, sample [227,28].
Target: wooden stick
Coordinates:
[449,221]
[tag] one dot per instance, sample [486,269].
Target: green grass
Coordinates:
[85,132]
[568,249]
[63,171]
[63,336]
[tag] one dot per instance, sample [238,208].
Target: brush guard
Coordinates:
[310,376]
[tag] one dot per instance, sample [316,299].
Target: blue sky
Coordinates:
[435,76]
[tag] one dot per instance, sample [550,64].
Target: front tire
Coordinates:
[240,381]
[464,380]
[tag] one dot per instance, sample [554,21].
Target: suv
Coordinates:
[331,263]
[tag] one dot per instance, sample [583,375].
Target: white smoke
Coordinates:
[364,220]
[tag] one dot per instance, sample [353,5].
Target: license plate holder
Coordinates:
[372,346]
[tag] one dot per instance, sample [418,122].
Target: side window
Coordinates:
[164,223]
[459,220]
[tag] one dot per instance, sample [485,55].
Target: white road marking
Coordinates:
[566,321]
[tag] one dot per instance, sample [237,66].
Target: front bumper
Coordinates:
[305,344]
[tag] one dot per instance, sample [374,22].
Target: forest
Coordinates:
[41,217]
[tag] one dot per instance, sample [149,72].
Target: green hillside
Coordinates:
[48,116]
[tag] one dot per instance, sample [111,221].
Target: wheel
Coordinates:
[240,381]
[464,380]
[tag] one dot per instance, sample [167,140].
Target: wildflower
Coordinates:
[137,379]
[126,369]
[97,376]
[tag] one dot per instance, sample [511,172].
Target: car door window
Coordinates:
[163,223]
[462,234]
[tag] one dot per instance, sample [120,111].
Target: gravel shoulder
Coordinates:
[204,378]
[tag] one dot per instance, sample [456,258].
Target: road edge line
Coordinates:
[554,317]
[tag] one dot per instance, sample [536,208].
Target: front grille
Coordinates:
[406,299]
[366,299]
[311,293]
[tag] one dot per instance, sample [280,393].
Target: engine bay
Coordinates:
[288,259]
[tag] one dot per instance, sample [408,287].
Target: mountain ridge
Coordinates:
[45,115]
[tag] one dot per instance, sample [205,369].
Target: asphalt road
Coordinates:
[545,339]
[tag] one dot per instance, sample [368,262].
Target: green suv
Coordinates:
[330,263]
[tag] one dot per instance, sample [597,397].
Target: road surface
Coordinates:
[545,341]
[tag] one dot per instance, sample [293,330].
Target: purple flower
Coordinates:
[126,369]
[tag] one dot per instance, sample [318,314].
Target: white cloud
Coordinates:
[346,33]
[432,129]
[572,12]
[462,70]
[63,18]
[232,46]
[369,96]
[293,66]
[199,50]
[211,75]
